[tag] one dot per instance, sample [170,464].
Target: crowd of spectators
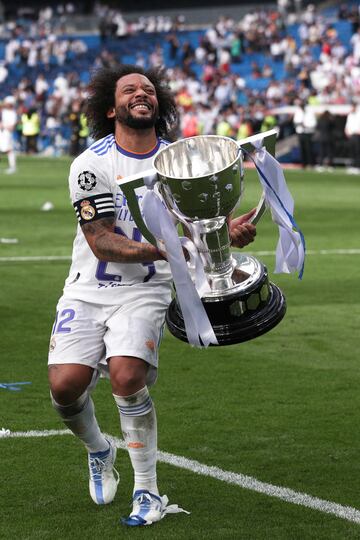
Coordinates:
[113,24]
[318,68]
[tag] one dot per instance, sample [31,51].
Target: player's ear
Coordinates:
[111,113]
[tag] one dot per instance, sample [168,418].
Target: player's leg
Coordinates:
[11,155]
[77,335]
[137,418]
[139,428]
[132,341]
[70,396]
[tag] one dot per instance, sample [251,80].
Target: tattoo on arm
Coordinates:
[108,245]
[98,226]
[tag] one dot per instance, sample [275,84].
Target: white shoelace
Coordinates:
[101,465]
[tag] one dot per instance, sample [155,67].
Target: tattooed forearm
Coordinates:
[121,249]
[112,247]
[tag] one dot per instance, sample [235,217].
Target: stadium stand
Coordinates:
[233,74]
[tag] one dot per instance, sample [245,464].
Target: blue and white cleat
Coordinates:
[104,478]
[149,508]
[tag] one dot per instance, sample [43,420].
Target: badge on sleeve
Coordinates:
[87,211]
[87,181]
[94,207]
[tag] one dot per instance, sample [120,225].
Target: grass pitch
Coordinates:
[282,409]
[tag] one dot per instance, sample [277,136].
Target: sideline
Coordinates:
[247,482]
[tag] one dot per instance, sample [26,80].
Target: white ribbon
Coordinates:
[170,508]
[201,283]
[159,222]
[290,251]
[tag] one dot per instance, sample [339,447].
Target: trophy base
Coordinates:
[237,317]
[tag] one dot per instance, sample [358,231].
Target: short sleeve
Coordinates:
[90,189]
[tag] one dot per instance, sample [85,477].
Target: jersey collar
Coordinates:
[137,155]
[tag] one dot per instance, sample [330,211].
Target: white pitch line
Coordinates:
[353,251]
[39,258]
[247,482]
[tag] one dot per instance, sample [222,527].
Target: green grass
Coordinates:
[283,408]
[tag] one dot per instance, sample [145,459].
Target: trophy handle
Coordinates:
[269,141]
[260,210]
[128,186]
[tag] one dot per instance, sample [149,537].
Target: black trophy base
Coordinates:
[239,317]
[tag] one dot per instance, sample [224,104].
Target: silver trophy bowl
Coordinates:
[201,181]
[203,175]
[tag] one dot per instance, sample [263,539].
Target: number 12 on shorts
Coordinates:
[62,321]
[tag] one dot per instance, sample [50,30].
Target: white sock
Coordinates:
[139,428]
[12,160]
[80,418]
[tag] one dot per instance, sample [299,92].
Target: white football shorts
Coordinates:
[87,333]
[6,140]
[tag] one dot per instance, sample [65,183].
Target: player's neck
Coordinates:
[135,140]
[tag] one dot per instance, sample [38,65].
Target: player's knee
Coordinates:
[127,381]
[65,386]
[63,392]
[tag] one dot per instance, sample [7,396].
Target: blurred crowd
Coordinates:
[319,69]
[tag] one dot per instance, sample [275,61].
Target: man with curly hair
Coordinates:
[110,317]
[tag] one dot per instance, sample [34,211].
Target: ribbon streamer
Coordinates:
[201,283]
[159,221]
[290,250]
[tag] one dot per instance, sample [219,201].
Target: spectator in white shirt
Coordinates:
[305,123]
[355,42]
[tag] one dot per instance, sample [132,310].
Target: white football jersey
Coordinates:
[95,194]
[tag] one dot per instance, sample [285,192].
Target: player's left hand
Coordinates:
[241,231]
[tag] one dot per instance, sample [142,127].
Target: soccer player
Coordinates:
[111,315]
[8,119]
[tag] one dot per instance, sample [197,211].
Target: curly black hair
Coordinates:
[101,98]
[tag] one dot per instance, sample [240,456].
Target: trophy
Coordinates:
[201,181]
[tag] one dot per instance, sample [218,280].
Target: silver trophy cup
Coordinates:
[201,181]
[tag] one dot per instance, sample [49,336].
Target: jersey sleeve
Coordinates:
[90,190]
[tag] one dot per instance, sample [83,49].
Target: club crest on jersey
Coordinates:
[87,181]
[87,211]
[52,344]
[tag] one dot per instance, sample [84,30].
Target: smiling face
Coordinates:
[136,104]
